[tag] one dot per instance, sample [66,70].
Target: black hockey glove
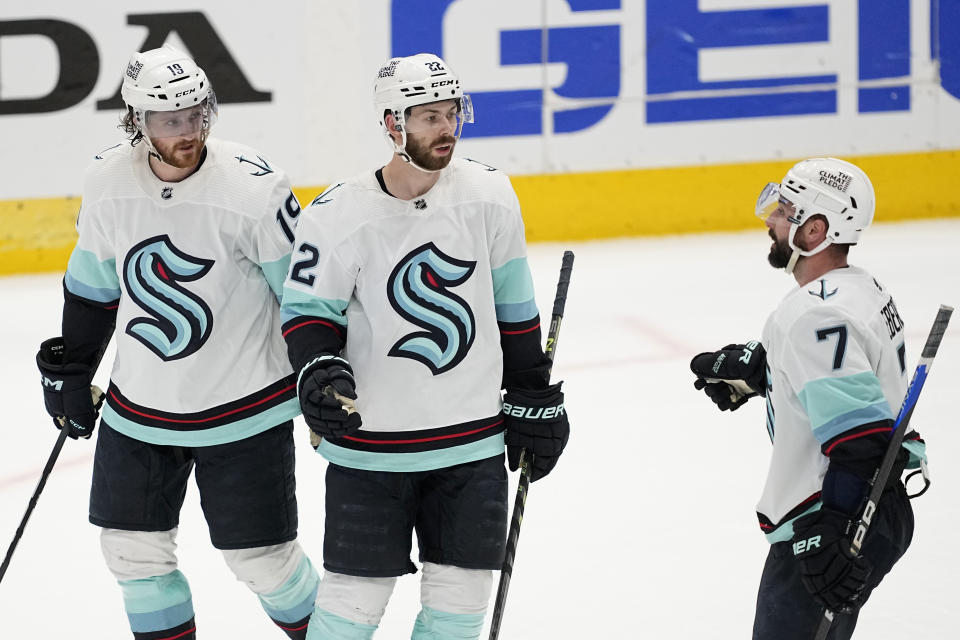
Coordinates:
[327,392]
[536,422]
[732,375]
[832,575]
[70,399]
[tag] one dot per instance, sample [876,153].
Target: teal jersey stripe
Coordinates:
[293,601]
[431,624]
[87,292]
[517,312]
[276,273]
[231,432]
[91,278]
[324,624]
[785,531]
[157,603]
[835,405]
[855,418]
[418,461]
[512,282]
[917,451]
[296,303]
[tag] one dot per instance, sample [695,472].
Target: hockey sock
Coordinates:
[160,607]
[324,624]
[290,606]
[440,625]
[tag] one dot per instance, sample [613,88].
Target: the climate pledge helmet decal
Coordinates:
[180,321]
[419,290]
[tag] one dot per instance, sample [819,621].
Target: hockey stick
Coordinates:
[33,499]
[879,480]
[47,469]
[526,470]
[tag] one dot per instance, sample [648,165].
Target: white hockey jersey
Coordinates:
[835,361]
[417,288]
[197,269]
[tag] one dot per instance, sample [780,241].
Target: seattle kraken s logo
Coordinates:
[181,322]
[419,290]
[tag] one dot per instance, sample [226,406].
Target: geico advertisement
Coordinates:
[557,85]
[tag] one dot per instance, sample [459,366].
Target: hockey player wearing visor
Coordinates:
[180,248]
[831,367]
[408,307]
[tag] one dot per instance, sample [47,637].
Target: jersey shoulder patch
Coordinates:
[254,164]
[249,182]
[242,160]
[823,289]
[480,165]
[477,181]
[110,169]
[109,151]
[327,196]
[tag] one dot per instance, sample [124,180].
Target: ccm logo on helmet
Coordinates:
[539,413]
[186,93]
[441,83]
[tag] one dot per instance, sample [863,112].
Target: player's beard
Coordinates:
[780,253]
[182,153]
[420,153]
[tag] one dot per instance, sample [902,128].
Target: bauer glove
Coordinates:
[68,396]
[327,391]
[537,423]
[829,571]
[732,375]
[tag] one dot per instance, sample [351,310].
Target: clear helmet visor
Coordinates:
[182,122]
[768,201]
[773,203]
[446,117]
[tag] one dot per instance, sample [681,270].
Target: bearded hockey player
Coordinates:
[831,366]
[184,243]
[408,307]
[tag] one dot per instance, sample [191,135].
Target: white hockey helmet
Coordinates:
[836,189]
[409,81]
[166,79]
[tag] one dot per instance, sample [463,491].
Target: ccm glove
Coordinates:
[327,391]
[833,576]
[732,375]
[70,399]
[536,422]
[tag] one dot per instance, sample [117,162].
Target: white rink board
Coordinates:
[317,61]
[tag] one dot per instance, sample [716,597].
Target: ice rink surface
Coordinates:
[646,529]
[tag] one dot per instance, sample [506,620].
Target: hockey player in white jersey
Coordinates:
[184,243]
[831,365]
[408,307]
